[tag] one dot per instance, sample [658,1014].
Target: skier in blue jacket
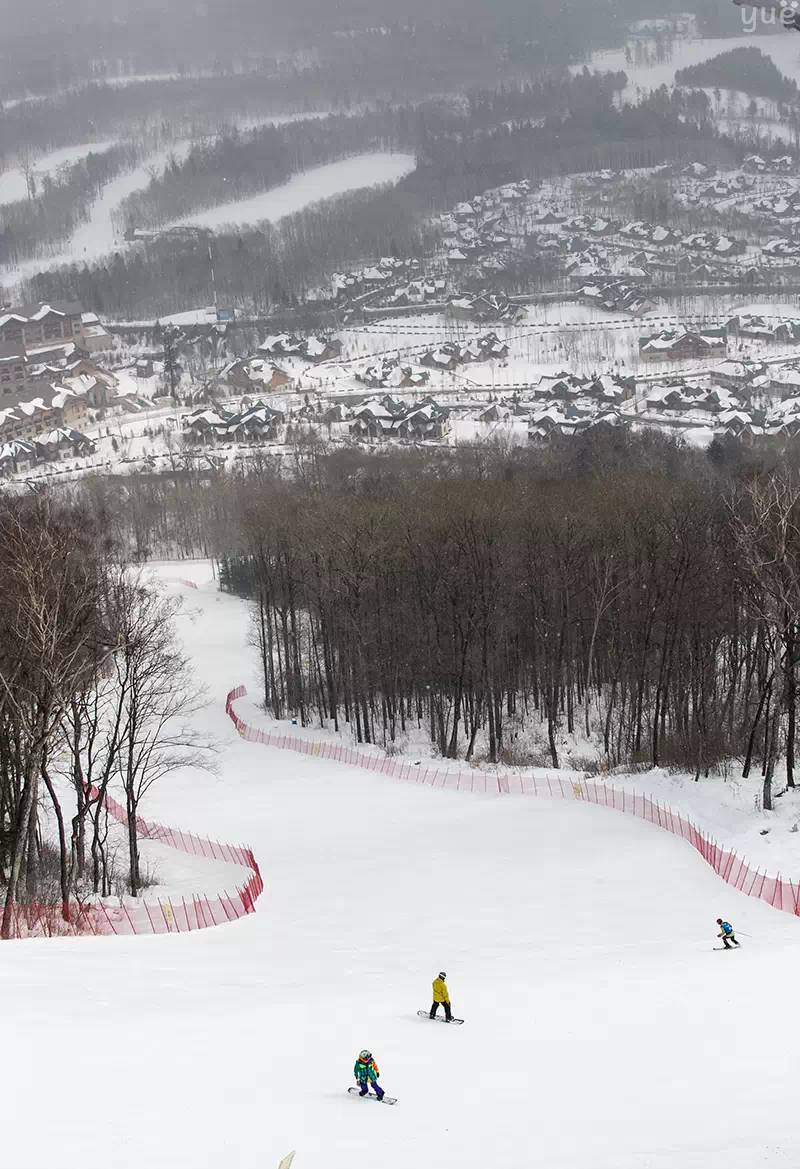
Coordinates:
[726,933]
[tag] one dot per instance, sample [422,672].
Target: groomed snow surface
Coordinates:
[311,186]
[102,232]
[13,186]
[780,45]
[602,1030]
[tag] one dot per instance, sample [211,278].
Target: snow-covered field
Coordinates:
[782,47]
[311,186]
[602,1030]
[12,180]
[100,233]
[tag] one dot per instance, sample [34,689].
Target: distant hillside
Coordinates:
[746,69]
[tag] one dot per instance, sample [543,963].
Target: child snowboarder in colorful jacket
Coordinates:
[441,995]
[366,1073]
[726,933]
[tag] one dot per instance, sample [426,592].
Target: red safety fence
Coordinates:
[778,892]
[166,915]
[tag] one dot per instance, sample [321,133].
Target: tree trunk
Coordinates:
[62,843]
[21,838]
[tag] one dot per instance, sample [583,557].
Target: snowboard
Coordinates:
[438,1018]
[370,1096]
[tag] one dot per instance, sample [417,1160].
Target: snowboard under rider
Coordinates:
[441,995]
[366,1074]
[726,933]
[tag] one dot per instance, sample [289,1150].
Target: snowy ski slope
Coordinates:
[602,1030]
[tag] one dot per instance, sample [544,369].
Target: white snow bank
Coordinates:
[99,234]
[780,893]
[322,182]
[13,187]
[601,1032]
[781,46]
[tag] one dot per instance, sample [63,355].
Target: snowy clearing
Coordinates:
[311,186]
[578,946]
[12,181]
[100,234]
[782,47]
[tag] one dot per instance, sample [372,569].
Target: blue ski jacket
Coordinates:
[726,928]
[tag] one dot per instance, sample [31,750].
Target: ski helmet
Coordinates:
[442,974]
[719,921]
[365,1055]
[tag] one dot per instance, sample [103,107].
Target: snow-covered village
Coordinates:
[400,548]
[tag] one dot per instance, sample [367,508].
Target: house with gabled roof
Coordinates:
[738,375]
[426,421]
[680,344]
[41,323]
[256,375]
[63,442]
[258,422]
[206,425]
[737,423]
[388,373]
[17,456]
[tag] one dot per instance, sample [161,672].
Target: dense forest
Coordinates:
[746,69]
[236,164]
[383,46]
[618,589]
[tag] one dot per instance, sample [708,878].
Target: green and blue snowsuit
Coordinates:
[366,1072]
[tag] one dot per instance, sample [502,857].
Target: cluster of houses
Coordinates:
[315,348]
[367,282]
[782,247]
[742,398]
[719,245]
[616,296]
[387,418]
[725,186]
[783,164]
[780,205]
[747,400]
[450,354]
[417,292]
[481,232]
[484,308]
[256,375]
[711,341]
[257,422]
[20,455]
[784,331]
[484,237]
[388,373]
[46,420]
[51,388]
[683,344]
[466,242]
[72,396]
[34,337]
[655,234]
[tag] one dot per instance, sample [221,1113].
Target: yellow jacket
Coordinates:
[440,991]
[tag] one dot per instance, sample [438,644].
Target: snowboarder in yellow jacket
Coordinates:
[441,995]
